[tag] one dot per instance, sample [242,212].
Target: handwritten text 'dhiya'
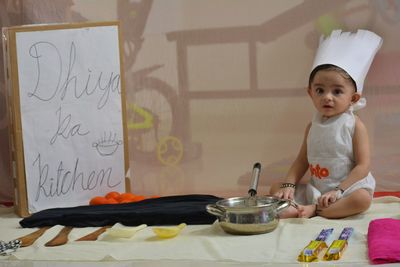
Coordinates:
[60,84]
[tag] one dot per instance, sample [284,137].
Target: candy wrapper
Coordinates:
[336,249]
[313,249]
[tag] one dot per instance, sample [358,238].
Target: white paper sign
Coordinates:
[72,127]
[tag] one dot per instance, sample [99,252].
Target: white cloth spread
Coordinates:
[331,158]
[201,243]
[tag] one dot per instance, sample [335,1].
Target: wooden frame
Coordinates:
[14,105]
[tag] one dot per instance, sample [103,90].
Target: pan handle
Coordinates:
[282,205]
[215,210]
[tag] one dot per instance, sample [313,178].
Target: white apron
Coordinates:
[330,156]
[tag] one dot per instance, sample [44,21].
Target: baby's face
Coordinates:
[331,93]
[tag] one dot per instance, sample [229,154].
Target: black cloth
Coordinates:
[170,210]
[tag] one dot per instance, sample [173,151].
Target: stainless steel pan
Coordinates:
[249,215]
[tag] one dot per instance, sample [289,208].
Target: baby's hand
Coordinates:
[327,199]
[285,193]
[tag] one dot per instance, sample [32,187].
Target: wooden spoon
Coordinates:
[94,235]
[61,238]
[29,239]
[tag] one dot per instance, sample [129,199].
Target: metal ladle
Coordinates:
[252,200]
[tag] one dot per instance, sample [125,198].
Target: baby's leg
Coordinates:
[357,202]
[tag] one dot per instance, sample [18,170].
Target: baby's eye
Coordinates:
[338,91]
[319,91]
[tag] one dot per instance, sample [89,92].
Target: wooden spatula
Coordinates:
[94,235]
[29,239]
[61,238]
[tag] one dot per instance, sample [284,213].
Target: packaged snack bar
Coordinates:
[313,249]
[336,249]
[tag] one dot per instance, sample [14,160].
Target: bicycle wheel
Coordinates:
[156,119]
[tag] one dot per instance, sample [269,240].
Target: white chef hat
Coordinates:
[353,52]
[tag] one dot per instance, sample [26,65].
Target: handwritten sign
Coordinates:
[71,114]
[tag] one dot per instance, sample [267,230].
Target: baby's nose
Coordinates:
[327,96]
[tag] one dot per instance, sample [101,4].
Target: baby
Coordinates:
[335,148]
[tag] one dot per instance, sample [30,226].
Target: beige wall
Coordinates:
[245,111]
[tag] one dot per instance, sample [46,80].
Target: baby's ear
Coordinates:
[309,91]
[355,97]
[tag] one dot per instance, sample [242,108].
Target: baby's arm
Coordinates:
[297,170]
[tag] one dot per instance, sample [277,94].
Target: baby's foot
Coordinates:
[307,211]
[290,212]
